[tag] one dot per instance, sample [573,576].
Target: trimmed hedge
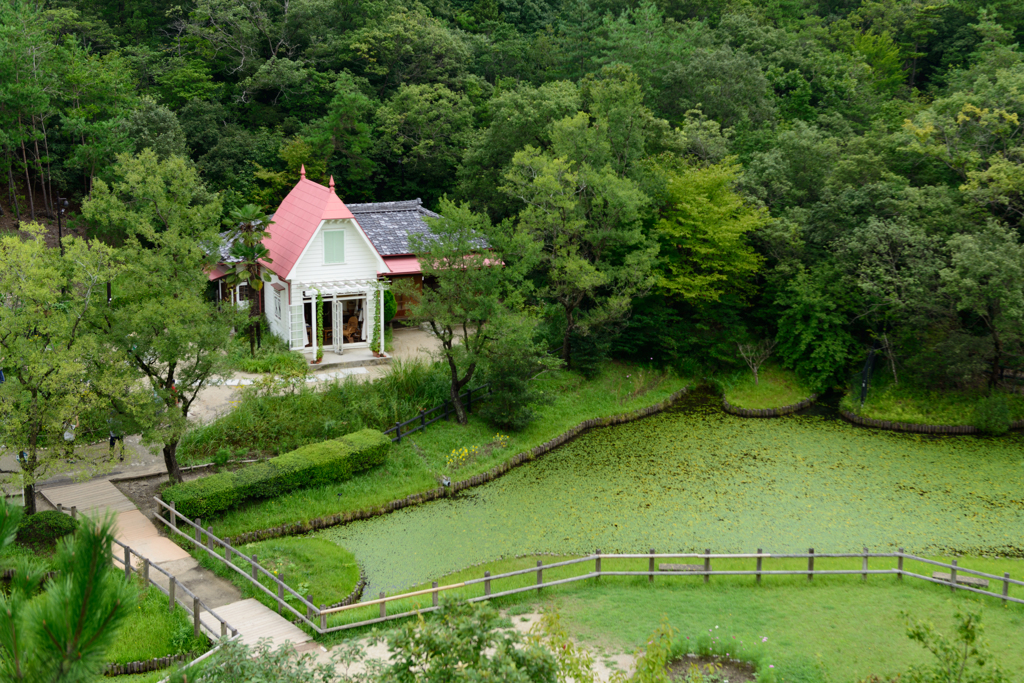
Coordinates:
[44,529]
[317,464]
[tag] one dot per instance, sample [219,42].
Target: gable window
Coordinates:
[334,246]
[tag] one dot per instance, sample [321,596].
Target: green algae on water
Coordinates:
[695,478]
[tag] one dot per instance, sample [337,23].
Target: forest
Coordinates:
[829,176]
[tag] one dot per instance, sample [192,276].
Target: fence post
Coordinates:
[1006,586]
[899,564]
[434,594]
[145,569]
[280,597]
[170,594]
[952,577]
[74,512]
[195,616]
[127,562]
[540,575]
[423,420]
[759,558]
[383,606]
[223,628]
[255,563]
[398,432]
[174,515]
[199,536]
[864,566]
[60,507]
[487,583]
[209,537]
[323,617]
[707,565]
[650,568]
[810,564]
[227,553]
[309,607]
[597,563]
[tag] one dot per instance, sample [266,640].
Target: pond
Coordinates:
[695,477]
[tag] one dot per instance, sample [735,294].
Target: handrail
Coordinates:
[422,417]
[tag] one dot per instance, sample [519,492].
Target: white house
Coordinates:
[349,254]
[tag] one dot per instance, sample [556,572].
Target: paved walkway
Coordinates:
[251,618]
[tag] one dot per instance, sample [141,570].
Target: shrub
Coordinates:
[317,464]
[992,415]
[44,528]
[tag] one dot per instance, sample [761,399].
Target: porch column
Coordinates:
[381,319]
[312,331]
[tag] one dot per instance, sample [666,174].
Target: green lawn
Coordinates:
[903,403]
[832,629]
[153,631]
[776,388]
[419,461]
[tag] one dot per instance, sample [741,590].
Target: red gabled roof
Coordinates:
[297,219]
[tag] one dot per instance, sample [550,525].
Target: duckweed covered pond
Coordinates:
[695,477]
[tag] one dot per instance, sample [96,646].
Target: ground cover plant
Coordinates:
[776,388]
[273,356]
[311,566]
[269,423]
[420,460]
[834,628]
[150,630]
[908,403]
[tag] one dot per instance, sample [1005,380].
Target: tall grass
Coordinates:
[907,403]
[273,356]
[268,424]
[777,388]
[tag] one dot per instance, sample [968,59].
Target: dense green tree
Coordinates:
[159,314]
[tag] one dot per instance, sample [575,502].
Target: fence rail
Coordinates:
[173,587]
[447,408]
[594,567]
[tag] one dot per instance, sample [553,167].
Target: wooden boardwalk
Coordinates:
[255,621]
[251,618]
[89,498]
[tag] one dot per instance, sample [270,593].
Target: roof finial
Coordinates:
[302,171]
[331,184]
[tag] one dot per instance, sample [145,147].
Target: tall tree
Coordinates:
[57,371]
[173,335]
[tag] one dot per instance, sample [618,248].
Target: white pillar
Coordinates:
[312,331]
[381,319]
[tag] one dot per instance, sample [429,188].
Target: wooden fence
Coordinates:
[174,589]
[446,409]
[590,567]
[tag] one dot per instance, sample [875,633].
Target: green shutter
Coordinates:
[334,246]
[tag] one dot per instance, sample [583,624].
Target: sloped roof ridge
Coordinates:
[381,207]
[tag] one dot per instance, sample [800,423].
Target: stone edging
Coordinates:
[767,412]
[146,666]
[917,428]
[297,528]
[356,593]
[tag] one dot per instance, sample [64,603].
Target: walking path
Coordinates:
[251,618]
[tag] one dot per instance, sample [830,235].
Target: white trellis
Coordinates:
[348,287]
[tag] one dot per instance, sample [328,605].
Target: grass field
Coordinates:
[152,631]
[902,403]
[832,629]
[776,388]
[419,461]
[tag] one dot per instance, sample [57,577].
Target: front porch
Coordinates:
[351,358]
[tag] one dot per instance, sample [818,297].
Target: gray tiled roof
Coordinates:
[389,224]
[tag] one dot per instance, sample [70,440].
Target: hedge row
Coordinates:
[327,462]
[303,527]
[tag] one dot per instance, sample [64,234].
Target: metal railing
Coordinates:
[446,408]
